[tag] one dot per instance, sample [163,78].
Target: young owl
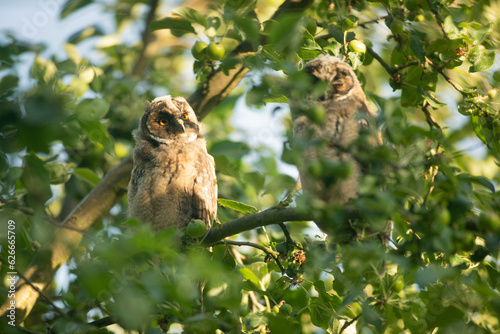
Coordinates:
[173,179]
[328,143]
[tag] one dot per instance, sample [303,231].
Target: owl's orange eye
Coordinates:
[163,121]
[185,116]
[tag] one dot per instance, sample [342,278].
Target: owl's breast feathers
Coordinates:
[172,184]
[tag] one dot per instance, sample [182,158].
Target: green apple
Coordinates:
[357,46]
[215,51]
[396,27]
[196,228]
[198,50]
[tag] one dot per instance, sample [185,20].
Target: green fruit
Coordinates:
[196,228]
[316,113]
[286,309]
[198,50]
[489,221]
[443,216]
[396,27]
[57,171]
[276,309]
[420,18]
[492,93]
[215,51]
[357,46]
[121,149]
[399,284]
[315,169]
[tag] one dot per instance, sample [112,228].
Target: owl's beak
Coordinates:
[181,123]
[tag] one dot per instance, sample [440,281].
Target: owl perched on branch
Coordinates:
[173,179]
[328,168]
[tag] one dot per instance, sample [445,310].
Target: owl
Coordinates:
[173,179]
[329,143]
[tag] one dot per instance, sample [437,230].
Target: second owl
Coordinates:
[329,143]
[173,178]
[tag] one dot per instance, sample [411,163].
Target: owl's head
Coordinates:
[169,118]
[341,79]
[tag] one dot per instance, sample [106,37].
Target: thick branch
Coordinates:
[215,89]
[246,223]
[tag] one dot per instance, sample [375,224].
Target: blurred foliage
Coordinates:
[427,71]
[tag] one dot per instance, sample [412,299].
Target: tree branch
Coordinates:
[146,38]
[439,20]
[246,223]
[349,323]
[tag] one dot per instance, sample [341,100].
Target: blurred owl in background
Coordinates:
[328,169]
[173,179]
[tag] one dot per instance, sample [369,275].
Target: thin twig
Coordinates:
[439,20]
[47,300]
[431,188]
[51,220]
[363,24]
[446,77]
[349,323]
[391,70]
[254,245]
[457,87]
[430,119]
[288,237]
[104,322]
[146,38]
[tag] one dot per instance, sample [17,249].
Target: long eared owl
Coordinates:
[173,178]
[329,142]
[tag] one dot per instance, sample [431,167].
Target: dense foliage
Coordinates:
[428,69]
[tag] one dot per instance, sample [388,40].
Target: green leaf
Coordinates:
[450,28]
[417,44]
[230,149]
[88,175]
[73,53]
[279,99]
[85,33]
[477,127]
[433,101]
[480,32]
[98,133]
[92,109]
[249,275]
[355,59]
[238,206]
[57,171]
[239,8]
[320,313]
[179,26]
[192,15]
[36,179]
[481,180]
[482,61]
[72,6]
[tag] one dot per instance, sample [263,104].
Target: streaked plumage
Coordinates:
[173,179]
